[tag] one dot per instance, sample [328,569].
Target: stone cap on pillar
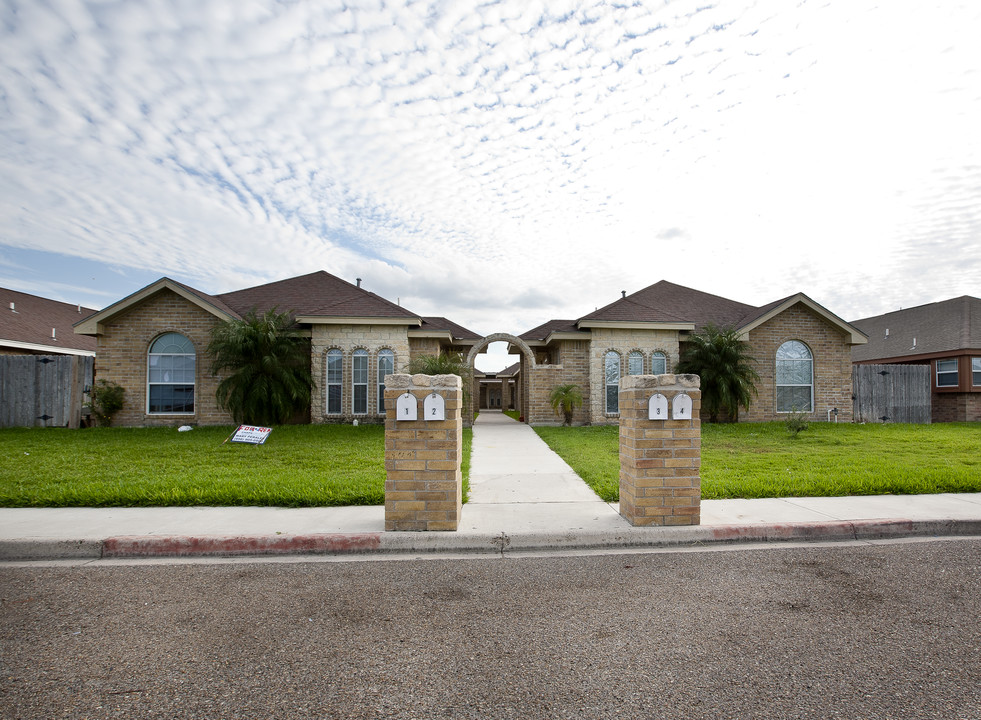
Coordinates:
[399,381]
[640,382]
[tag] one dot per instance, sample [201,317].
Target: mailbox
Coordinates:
[406,407]
[434,407]
[681,407]
[657,407]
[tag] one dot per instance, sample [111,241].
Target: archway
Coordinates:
[521,383]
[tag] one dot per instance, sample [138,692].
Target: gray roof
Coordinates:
[32,319]
[940,327]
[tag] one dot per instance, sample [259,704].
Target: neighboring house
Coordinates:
[32,325]
[498,389]
[802,352]
[153,343]
[944,335]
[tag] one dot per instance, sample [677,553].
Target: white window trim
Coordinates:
[658,355]
[955,372]
[193,383]
[777,386]
[635,354]
[606,384]
[975,361]
[327,384]
[360,353]
[384,352]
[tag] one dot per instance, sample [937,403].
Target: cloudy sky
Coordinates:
[497,162]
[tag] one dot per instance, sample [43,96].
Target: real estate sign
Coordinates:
[251,434]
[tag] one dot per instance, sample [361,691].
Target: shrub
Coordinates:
[796,423]
[107,400]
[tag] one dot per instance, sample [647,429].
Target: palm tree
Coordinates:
[725,367]
[269,361]
[565,399]
[444,364]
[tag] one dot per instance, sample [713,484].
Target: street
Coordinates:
[824,631]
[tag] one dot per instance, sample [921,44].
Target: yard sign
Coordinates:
[251,434]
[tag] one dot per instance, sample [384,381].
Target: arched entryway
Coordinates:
[520,381]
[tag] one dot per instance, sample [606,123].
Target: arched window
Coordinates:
[386,366]
[359,382]
[335,379]
[795,377]
[659,364]
[170,376]
[612,382]
[635,363]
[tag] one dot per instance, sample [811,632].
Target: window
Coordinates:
[359,382]
[976,371]
[947,373]
[635,364]
[659,364]
[335,377]
[386,366]
[170,376]
[795,378]
[612,383]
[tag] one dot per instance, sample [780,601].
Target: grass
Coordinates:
[299,465]
[513,414]
[751,460]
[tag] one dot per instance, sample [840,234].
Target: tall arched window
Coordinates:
[795,377]
[635,363]
[659,364]
[359,382]
[170,376]
[386,366]
[612,382]
[335,379]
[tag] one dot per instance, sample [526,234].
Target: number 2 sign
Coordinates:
[434,407]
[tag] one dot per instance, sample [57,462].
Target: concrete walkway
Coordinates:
[523,497]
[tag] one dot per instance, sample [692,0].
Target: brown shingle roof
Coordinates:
[544,330]
[317,294]
[458,332]
[666,302]
[33,317]
[938,327]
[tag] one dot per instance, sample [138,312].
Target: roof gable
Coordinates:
[666,302]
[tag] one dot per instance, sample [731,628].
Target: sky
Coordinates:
[500,163]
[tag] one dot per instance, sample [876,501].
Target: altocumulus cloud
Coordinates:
[506,163]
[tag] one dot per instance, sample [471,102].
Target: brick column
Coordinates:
[659,459]
[424,482]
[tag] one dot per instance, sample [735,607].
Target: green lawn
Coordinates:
[299,465]
[763,460]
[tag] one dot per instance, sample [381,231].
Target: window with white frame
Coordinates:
[359,382]
[170,375]
[659,363]
[635,363]
[947,373]
[976,371]
[795,377]
[386,366]
[335,380]
[612,382]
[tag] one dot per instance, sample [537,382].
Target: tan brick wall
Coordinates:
[832,364]
[424,480]
[573,368]
[347,339]
[660,460]
[121,357]
[956,407]
[624,342]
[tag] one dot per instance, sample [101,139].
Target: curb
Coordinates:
[424,543]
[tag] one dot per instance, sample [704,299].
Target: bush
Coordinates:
[796,423]
[107,400]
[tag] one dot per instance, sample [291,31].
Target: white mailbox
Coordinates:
[657,407]
[406,407]
[681,407]
[434,408]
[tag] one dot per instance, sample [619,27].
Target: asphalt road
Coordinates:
[883,631]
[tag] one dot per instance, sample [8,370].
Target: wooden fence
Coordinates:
[43,390]
[891,393]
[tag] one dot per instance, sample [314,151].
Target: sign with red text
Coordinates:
[251,434]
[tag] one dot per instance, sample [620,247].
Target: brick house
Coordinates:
[32,325]
[153,344]
[944,335]
[802,352]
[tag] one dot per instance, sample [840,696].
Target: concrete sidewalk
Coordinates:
[523,497]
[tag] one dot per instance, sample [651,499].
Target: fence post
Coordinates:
[660,457]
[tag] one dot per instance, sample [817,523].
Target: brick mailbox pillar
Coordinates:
[423,452]
[660,449]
